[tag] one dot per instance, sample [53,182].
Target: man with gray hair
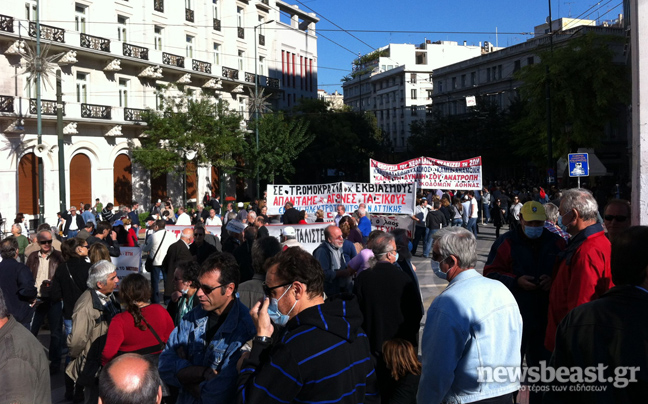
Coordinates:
[583,269]
[551,223]
[178,252]
[92,314]
[23,364]
[472,327]
[364,224]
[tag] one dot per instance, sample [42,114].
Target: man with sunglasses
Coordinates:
[617,217]
[201,354]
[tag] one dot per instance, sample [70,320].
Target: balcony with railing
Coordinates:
[199,66]
[217,24]
[48,107]
[95,42]
[6,23]
[230,73]
[272,83]
[96,111]
[158,5]
[138,52]
[241,32]
[47,32]
[249,77]
[189,15]
[261,39]
[173,60]
[133,114]
[6,103]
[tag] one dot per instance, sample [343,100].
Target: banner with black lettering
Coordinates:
[388,223]
[379,198]
[430,173]
[128,262]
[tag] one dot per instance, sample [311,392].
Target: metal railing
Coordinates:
[134,51]
[261,39]
[133,114]
[200,66]
[172,60]
[95,42]
[217,24]
[230,73]
[189,15]
[96,111]
[47,32]
[241,32]
[48,107]
[249,77]
[6,103]
[6,23]
[158,5]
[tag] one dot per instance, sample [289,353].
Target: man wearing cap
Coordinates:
[289,238]
[523,260]
[242,213]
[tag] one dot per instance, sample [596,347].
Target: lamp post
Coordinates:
[39,122]
[256,97]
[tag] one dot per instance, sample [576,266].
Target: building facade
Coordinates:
[116,56]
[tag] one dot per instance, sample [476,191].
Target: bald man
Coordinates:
[178,252]
[130,378]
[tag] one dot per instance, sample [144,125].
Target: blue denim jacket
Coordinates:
[221,353]
[475,322]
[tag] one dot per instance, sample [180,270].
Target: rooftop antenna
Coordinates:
[570,3]
[496,38]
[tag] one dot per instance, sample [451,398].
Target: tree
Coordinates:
[588,89]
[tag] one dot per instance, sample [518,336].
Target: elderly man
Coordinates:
[17,282]
[288,238]
[473,324]
[551,223]
[583,269]
[43,264]
[130,378]
[364,224]
[213,219]
[616,216]
[23,242]
[201,354]
[178,252]
[341,212]
[262,231]
[90,320]
[73,223]
[183,218]
[291,215]
[337,277]
[322,353]
[23,365]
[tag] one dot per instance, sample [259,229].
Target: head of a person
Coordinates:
[230,206]
[89,227]
[250,234]
[110,206]
[199,234]
[264,210]
[455,249]
[74,248]
[45,240]
[102,277]
[456,201]
[319,214]
[73,210]
[401,358]
[159,225]
[251,217]
[424,202]
[616,217]
[302,215]
[134,206]
[16,230]
[436,204]
[295,278]
[341,210]
[219,280]
[532,219]
[212,213]
[130,379]
[127,223]
[384,248]
[98,252]
[185,277]
[134,289]
[578,210]
[263,249]
[259,222]
[187,235]
[9,248]
[288,205]
[629,260]
[231,216]
[288,233]
[103,229]
[333,236]
[180,210]
[240,205]
[20,217]
[350,221]
[551,211]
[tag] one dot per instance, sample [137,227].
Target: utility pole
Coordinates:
[550,161]
[39,123]
[256,100]
[59,134]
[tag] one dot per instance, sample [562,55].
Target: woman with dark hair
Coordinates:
[263,212]
[186,284]
[456,212]
[302,217]
[405,371]
[144,328]
[353,234]
[20,220]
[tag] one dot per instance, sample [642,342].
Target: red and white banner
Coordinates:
[429,173]
[128,262]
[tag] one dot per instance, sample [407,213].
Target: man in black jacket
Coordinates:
[178,252]
[609,332]
[17,283]
[73,223]
[106,236]
[434,221]
[291,215]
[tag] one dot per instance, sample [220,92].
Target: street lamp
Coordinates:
[256,96]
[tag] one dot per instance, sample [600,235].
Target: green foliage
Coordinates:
[587,90]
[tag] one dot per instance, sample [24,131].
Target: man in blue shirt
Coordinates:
[364,224]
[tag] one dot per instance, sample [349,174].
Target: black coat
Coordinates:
[68,221]
[70,289]
[291,216]
[178,252]
[201,252]
[18,288]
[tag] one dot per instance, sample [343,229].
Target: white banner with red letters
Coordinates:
[128,262]
[379,198]
[430,173]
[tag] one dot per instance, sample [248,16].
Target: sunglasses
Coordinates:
[267,290]
[199,235]
[45,242]
[618,218]
[207,289]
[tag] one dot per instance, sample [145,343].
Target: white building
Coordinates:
[395,83]
[116,54]
[335,99]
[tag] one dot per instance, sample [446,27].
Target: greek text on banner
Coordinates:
[428,173]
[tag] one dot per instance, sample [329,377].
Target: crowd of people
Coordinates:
[246,317]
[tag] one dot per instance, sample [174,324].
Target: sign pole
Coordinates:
[578,182]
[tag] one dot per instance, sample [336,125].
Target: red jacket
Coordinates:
[582,274]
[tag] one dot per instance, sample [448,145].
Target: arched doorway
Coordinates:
[158,187]
[215,181]
[80,180]
[192,181]
[123,180]
[28,184]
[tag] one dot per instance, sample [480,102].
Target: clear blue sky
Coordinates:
[473,21]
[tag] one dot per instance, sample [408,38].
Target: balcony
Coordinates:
[189,15]
[48,107]
[241,32]
[230,73]
[217,24]
[133,114]
[249,77]
[133,51]
[172,60]
[95,42]
[6,103]
[202,67]
[158,5]
[47,32]
[95,111]
[6,23]
[261,39]
[272,83]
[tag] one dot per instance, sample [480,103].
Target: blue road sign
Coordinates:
[578,165]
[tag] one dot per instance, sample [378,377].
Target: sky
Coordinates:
[414,21]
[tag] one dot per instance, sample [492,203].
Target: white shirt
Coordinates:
[73,222]
[421,213]
[475,210]
[154,241]
[216,221]
[183,220]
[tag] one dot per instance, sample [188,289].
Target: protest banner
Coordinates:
[388,223]
[379,198]
[128,262]
[430,173]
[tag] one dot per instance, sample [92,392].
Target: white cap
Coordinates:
[288,231]
[240,204]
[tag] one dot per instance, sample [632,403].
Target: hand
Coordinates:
[175,296]
[526,282]
[259,314]
[545,282]
[113,235]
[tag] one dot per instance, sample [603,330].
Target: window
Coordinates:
[30,10]
[440,86]
[157,37]
[158,98]
[215,12]
[80,18]
[217,53]
[30,88]
[189,46]
[430,78]
[261,65]
[454,83]
[82,87]
[413,78]
[122,28]
[530,60]
[488,74]
[473,78]
[124,86]
[499,72]
[413,93]
[429,93]
[463,80]
[241,56]
[516,66]
[413,110]
[239,17]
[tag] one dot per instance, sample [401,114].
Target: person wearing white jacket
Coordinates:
[157,246]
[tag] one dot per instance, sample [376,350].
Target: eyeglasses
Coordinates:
[267,290]
[207,289]
[199,235]
[45,242]
[436,256]
[618,218]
